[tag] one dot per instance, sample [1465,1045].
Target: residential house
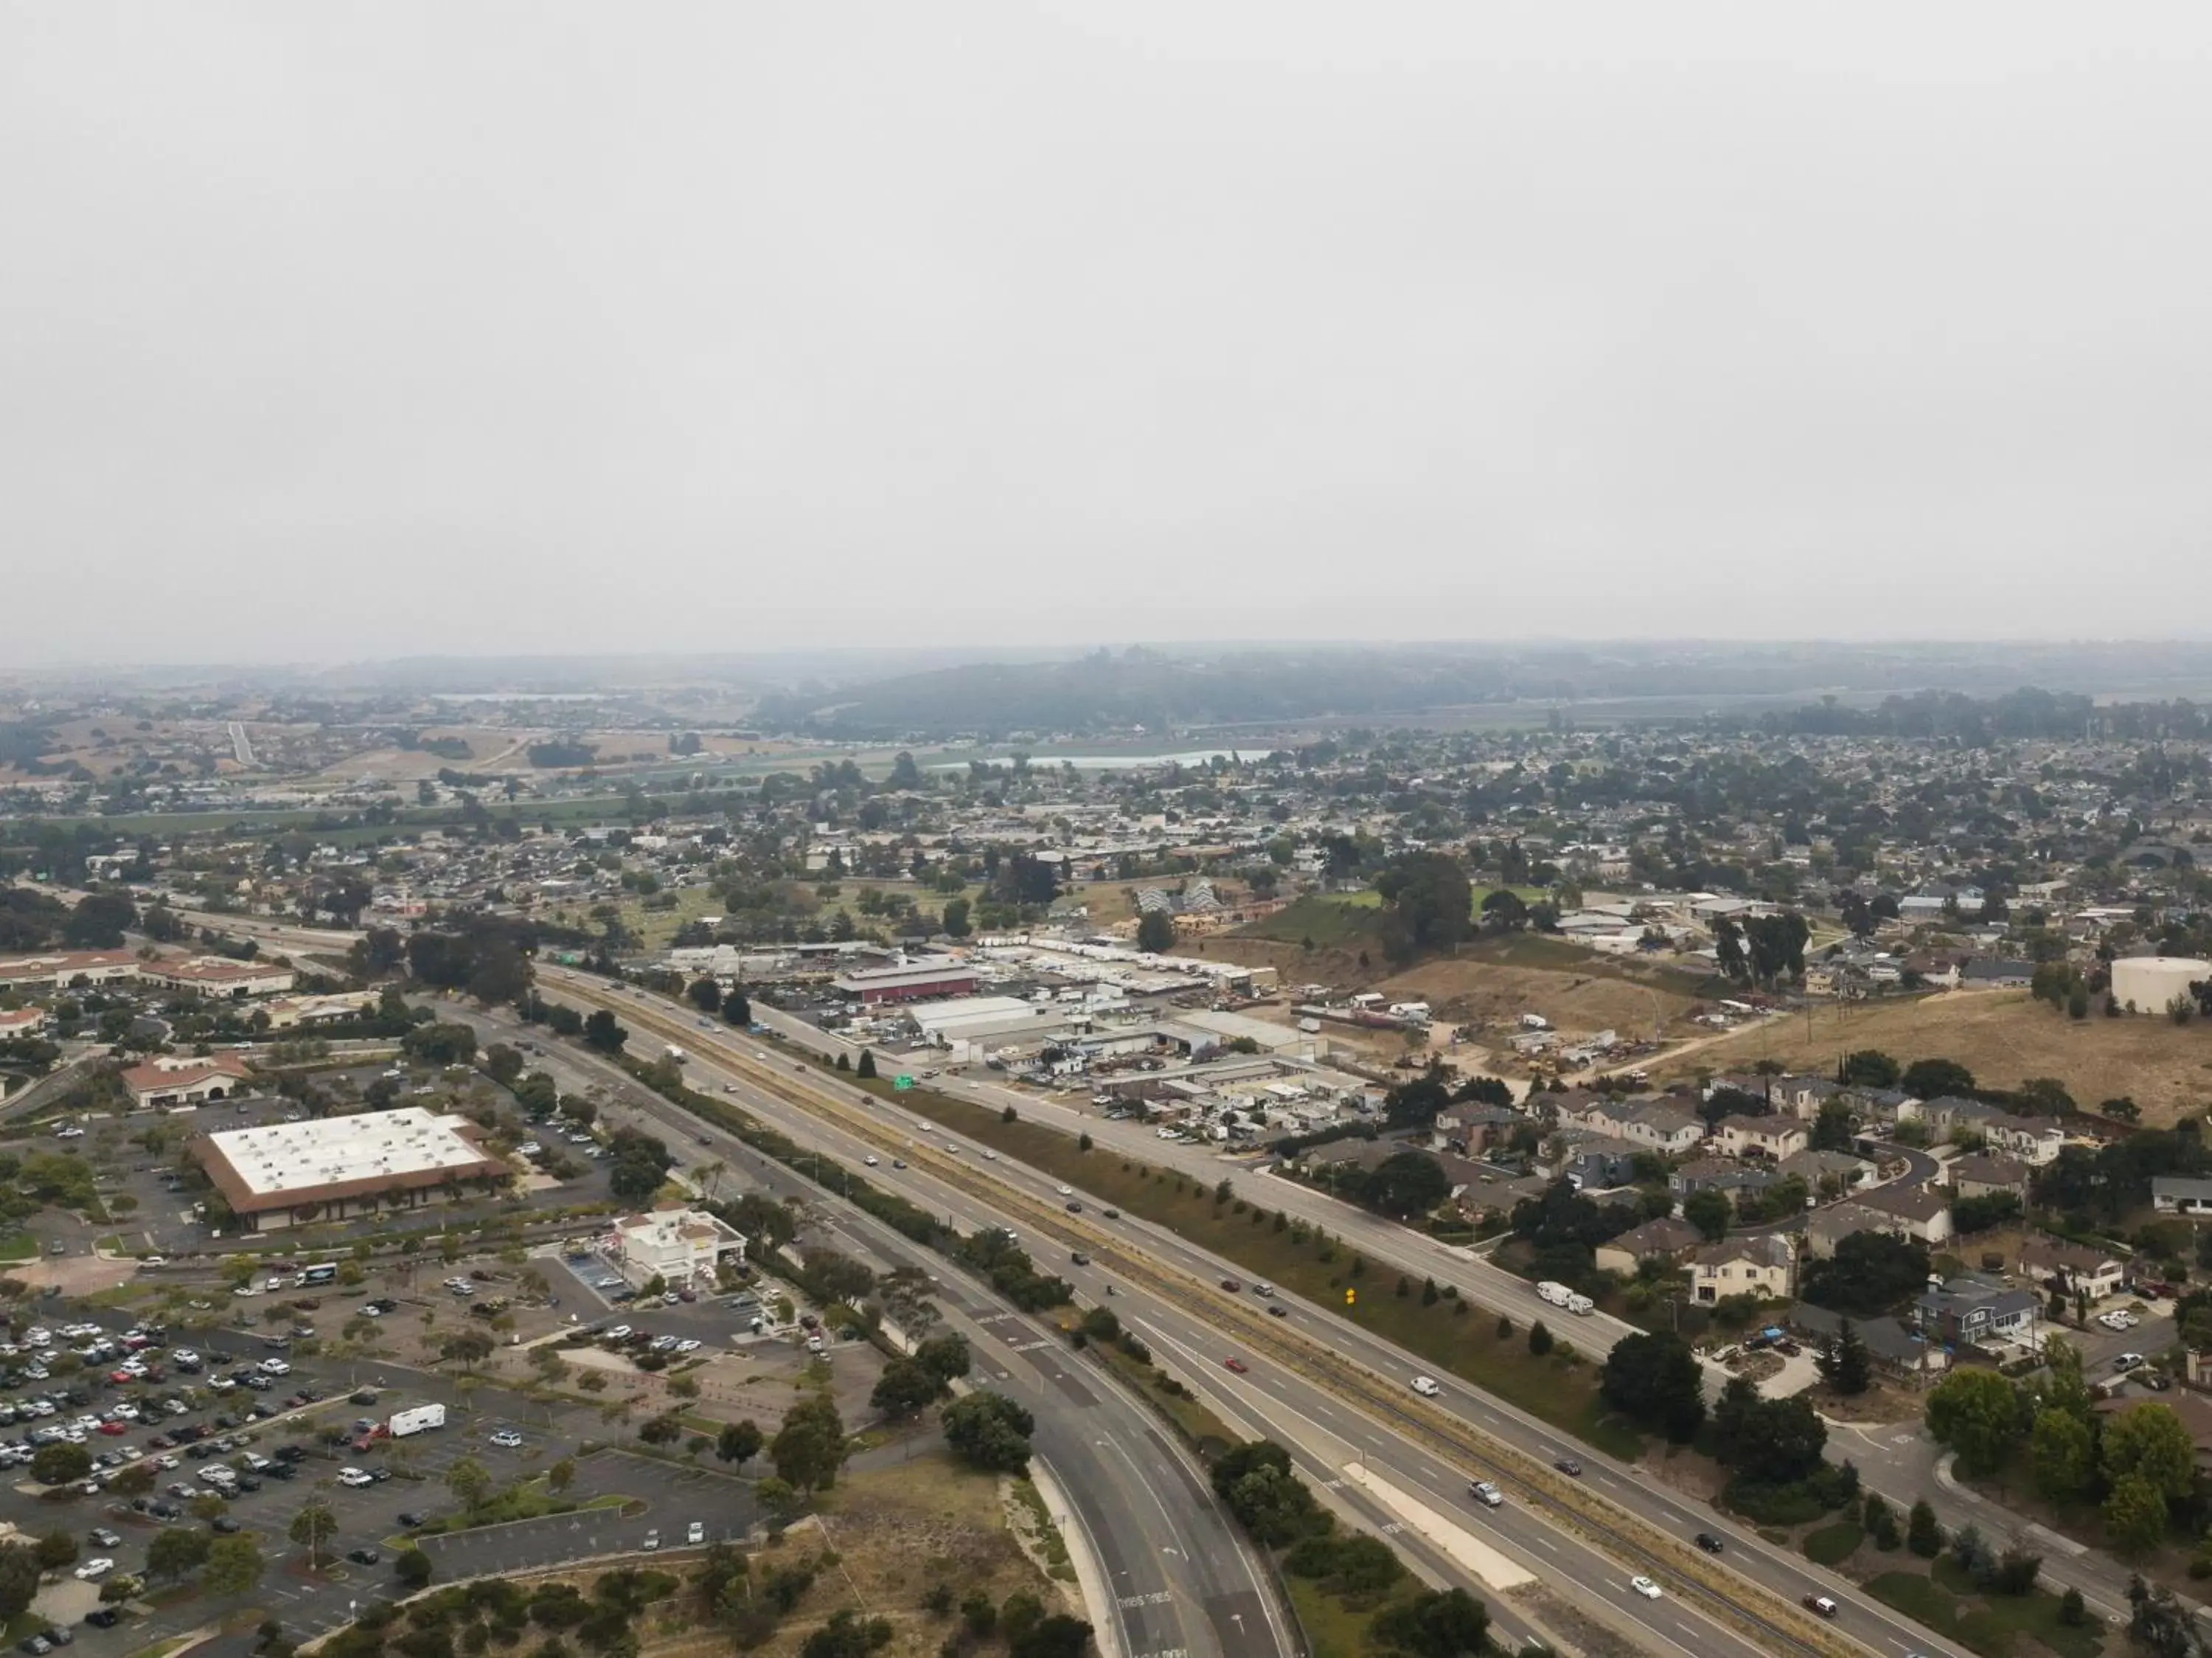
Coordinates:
[1760,1264]
[1978,1175]
[1595,1161]
[1896,1352]
[2033,1140]
[2196,1414]
[1829,1226]
[174,1080]
[1970,1310]
[1665,1239]
[1772,1137]
[1655,1125]
[1824,1172]
[2180,1194]
[1997,975]
[1472,1130]
[1716,1174]
[1915,1211]
[2078,1269]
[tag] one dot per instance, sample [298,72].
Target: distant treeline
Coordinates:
[2027,712]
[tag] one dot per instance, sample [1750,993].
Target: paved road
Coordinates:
[1184,1577]
[1329,1438]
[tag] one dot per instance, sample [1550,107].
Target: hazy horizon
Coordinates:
[352,333]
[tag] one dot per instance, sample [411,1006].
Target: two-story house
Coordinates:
[2077,1269]
[2033,1140]
[1772,1137]
[1978,1174]
[1664,1239]
[1970,1309]
[1761,1264]
[1915,1211]
[1656,1124]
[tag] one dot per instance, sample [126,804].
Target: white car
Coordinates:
[2128,1361]
[695,1532]
[990,1156]
[1487,1494]
[1065,1190]
[92,1568]
[273,1286]
[72,1132]
[871,1160]
[652,1541]
[355,1476]
[1645,1586]
[507,1439]
[1426,1387]
[275,1367]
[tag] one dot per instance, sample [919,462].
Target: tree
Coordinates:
[810,1447]
[1655,1381]
[955,921]
[905,1389]
[98,922]
[738,1441]
[467,1348]
[705,994]
[60,1464]
[56,1549]
[603,1031]
[1832,1129]
[737,1008]
[990,1431]
[502,1063]
[1867,1068]
[1406,1184]
[1256,1483]
[867,1065]
[1921,1534]
[2135,1515]
[19,1580]
[1540,1338]
[561,1476]
[1977,1414]
[2149,1442]
[1056,1636]
[1844,1364]
[1436,1624]
[469,1481]
[1427,904]
[1869,1273]
[312,1528]
[233,1565]
[177,1551]
[413,1568]
[1932,1079]
[1156,931]
[1708,1209]
[2065,1454]
[946,1357]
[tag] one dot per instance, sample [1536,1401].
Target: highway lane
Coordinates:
[1183,1578]
[1306,1414]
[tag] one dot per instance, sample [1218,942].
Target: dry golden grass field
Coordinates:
[2005,1037]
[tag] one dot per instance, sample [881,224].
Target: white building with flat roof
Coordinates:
[332,1168]
[683,1245]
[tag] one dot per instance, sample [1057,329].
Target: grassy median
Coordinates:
[1559,1388]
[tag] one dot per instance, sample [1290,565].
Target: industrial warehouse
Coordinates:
[331,1168]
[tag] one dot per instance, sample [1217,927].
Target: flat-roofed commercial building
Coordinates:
[914,983]
[682,1246]
[334,1168]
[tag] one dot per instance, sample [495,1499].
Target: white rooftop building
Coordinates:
[683,1245]
[327,1168]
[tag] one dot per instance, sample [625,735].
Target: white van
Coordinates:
[1426,1387]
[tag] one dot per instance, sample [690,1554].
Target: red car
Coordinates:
[1237,1365]
[114,1426]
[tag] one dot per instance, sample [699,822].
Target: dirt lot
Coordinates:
[2005,1037]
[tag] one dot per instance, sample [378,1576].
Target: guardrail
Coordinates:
[1636,1543]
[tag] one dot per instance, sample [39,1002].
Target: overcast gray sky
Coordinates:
[332,331]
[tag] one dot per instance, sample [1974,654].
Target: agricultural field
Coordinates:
[2003,1037]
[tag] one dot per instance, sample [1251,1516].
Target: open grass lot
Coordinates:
[1994,1625]
[2005,1037]
[1560,1389]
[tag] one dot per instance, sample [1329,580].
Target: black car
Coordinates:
[103,1618]
[1111,1214]
[1080,1259]
[363,1556]
[410,1518]
[1567,1465]
[37,1645]
[379,1475]
[61,1637]
[1276,1310]
[224,1523]
[1074,1207]
[1709,1543]
[290,1454]
[164,1510]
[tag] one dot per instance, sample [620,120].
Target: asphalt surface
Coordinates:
[1332,1443]
[1184,1579]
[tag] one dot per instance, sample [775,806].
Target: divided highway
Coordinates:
[1334,1394]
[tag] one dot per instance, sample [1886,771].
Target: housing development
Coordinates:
[1723,1164]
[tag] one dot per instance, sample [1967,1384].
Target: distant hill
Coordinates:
[1191,687]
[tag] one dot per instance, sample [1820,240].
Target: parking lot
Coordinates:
[411,1471]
